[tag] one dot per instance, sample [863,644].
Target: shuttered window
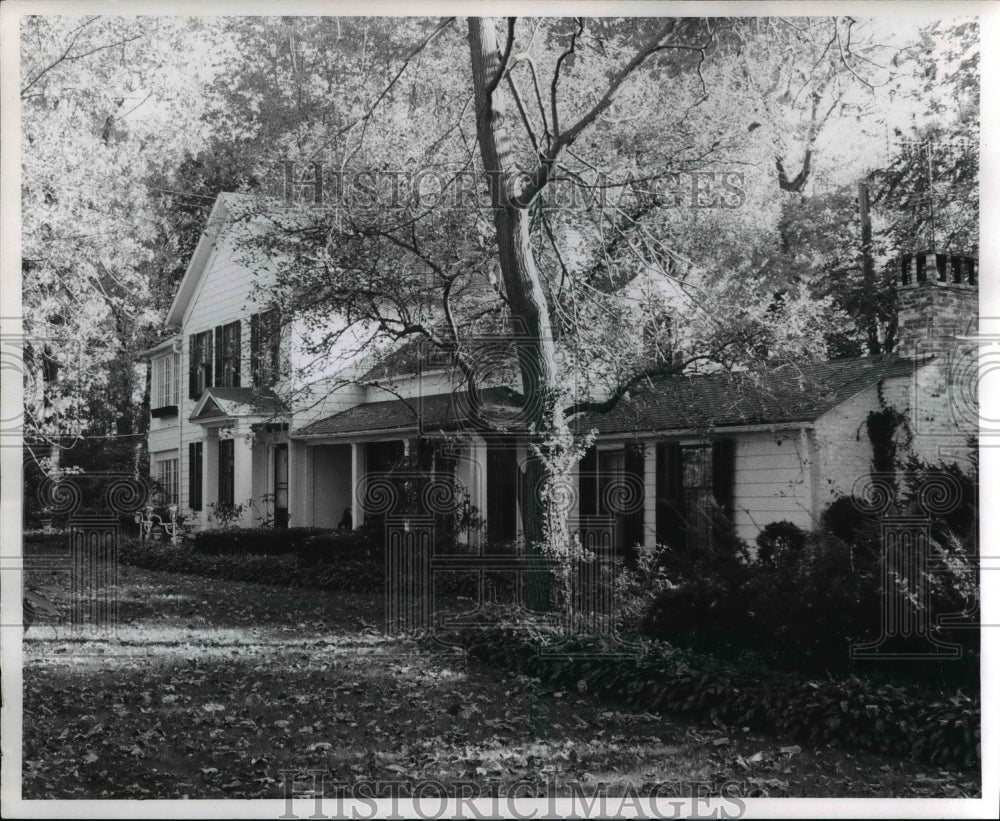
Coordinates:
[199,363]
[265,348]
[227,355]
[689,477]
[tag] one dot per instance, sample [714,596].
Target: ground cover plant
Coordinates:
[210,687]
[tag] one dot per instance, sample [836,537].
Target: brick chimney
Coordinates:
[938,300]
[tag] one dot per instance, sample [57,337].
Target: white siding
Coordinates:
[844,450]
[771,481]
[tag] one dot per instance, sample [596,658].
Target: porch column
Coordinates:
[357,488]
[299,484]
[243,474]
[210,474]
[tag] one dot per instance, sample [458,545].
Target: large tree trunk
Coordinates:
[529,308]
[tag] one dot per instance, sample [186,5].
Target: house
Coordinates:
[232,440]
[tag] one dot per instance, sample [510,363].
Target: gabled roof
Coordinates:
[221,215]
[787,395]
[445,411]
[236,403]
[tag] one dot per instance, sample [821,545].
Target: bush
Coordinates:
[364,575]
[939,728]
[338,546]
[804,610]
[42,542]
[254,540]
[778,539]
[851,520]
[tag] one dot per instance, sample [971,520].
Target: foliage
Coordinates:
[936,727]
[639,584]
[226,708]
[250,541]
[852,520]
[778,538]
[353,573]
[226,515]
[803,607]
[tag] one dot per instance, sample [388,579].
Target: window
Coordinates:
[166,475]
[200,363]
[227,464]
[265,347]
[688,479]
[227,355]
[611,485]
[164,389]
[195,454]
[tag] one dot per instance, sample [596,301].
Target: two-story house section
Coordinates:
[224,386]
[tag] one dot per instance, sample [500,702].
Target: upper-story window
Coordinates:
[200,362]
[164,390]
[227,355]
[265,348]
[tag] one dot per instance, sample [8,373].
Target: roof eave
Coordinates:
[199,259]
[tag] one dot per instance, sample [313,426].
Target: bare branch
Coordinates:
[553,90]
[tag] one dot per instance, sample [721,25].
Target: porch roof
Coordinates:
[786,395]
[445,411]
[237,402]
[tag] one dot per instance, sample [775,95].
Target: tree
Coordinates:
[553,185]
[101,112]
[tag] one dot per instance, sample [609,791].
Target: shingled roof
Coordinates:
[788,394]
[668,404]
[446,411]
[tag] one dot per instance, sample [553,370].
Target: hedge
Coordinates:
[363,574]
[928,725]
[254,540]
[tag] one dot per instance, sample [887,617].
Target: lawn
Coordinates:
[210,689]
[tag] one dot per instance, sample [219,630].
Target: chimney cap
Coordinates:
[945,268]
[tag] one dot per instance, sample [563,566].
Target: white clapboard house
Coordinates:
[234,435]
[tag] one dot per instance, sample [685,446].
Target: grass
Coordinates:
[209,689]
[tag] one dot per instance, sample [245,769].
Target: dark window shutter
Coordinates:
[255,350]
[219,352]
[194,475]
[635,466]
[273,344]
[192,368]
[226,472]
[236,352]
[669,495]
[588,483]
[723,473]
[206,357]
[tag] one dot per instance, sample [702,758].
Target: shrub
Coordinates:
[777,539]
[636,587]
[936,727]
[46,542]
[851,520]
[254,540]
[807,608]
[360,575]
[338,546]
